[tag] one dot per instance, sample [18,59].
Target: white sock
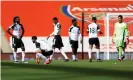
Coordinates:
[63,53]
[39,55]
[23,56]
[119,57]
[51,56]
[123,53]
[97,53]
[44,57]
[73,57]
[15,56]
[89,53]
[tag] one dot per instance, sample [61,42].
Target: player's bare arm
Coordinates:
[81,40]
[80,37]
[8,31]
[99,30]
[52,34]
[87,30]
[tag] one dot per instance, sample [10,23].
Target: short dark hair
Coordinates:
[34,37]
[94,18]
[73,20]
[120,16]
[55,18]
[15,18]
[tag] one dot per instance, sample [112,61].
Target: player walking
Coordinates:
[74,33]
[93,30]
[120,33]
[17,42]
[57,38]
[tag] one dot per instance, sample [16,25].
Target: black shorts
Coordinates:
[17,43]
[46,53]
[58,42]
[94,41]
[70,41]
[74,44]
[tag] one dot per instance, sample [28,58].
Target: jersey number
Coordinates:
[92,30]
[58,27]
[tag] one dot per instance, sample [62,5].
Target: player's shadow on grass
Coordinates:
[76,70]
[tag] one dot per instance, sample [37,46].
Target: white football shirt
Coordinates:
[57,29]
[74,33]
[93,29]
[121,33]
[43,44]
[16,29]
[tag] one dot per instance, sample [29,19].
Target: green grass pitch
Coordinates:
[59,70]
